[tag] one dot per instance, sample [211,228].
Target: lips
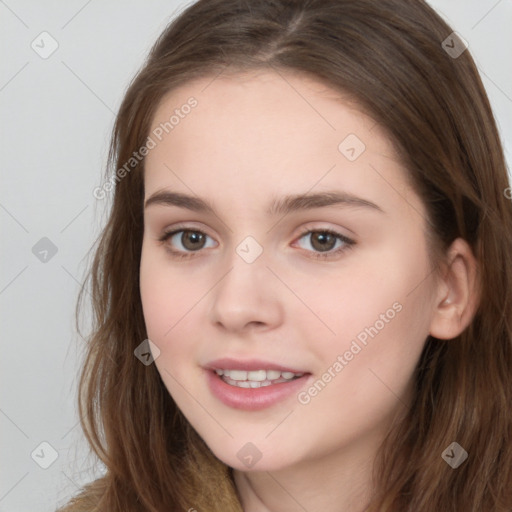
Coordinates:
[254,399]
[253,394]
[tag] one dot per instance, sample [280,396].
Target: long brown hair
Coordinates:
[389,56]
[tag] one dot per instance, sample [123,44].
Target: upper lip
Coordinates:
[228,363]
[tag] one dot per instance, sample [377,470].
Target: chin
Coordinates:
[250,456]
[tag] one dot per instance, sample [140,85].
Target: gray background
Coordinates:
[56,118]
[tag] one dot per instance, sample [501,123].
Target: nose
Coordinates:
[248,296]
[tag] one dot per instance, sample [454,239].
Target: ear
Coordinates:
[457,293]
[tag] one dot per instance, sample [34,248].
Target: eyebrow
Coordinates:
[279,206]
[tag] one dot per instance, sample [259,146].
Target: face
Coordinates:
[310,273]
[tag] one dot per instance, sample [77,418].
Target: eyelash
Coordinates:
[184,255]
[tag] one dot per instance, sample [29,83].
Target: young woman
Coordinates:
[303,293]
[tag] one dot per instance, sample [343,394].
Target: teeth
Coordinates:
[255,378]
[236,374]
[258,375]
[273,374]
[248,383]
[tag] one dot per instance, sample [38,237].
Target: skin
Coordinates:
[250,138]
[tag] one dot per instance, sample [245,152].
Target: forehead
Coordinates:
[251,133]
[265,108]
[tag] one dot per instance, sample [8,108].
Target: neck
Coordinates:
[336,482]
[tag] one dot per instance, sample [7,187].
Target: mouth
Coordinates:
[253,385]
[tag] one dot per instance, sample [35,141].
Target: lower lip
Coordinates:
[253,399]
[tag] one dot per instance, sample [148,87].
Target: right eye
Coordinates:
[192,240]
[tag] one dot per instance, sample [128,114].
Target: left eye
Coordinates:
[323,242]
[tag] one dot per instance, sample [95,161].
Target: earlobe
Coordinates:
[457,295]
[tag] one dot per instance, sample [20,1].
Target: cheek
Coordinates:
[380,312]
[363,384]
[168,307]
[167,295]
[353,299]
[173,303]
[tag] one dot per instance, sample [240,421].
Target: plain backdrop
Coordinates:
[56,116]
